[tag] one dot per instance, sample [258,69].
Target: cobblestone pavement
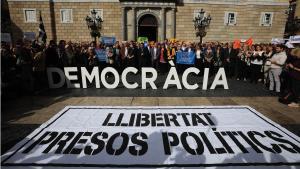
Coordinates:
[21,116]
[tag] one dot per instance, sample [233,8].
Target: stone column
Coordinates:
[124,23]
[134,23]
[173,23]
[163,24]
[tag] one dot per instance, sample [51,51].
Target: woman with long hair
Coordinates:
[256,64]
[242,63]
[163,59]
[217,58]
[267,63]
[208,58]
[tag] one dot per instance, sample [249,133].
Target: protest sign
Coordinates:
[142,39]
[276,41]
[5,37]
[155,137]
[108,40]
[294,39]
[187,58]
[29,36]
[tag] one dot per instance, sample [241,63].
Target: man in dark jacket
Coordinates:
[155,53]
[228,57]
[52,58]
[147,55]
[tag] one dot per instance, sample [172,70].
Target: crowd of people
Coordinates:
[273,65]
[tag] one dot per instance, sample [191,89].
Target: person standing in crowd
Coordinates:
[70,54]
[294,74]
[225,58]
[117,56]
[155,53]
[217,59]
[256,64]
[110,56]
[124,55]
[52,56]
[63,58]
[101,55]
[208,58]
[242,63]
[183,47]
[136,53]
[191,51]
[172,53]
[147,55]
[78,60]
[132,51]
[168,48]
[84,54]
[24,61]
[140,56]
[39,67]
[92,60]
[8,61]
[231,57]
[198,62]
[277,62]
[268,53]
[163,58]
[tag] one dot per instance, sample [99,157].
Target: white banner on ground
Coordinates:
[157,137]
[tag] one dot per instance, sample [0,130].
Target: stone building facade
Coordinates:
[158,19]
[297,11]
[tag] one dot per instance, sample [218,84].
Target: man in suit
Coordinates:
[140,55]
[131,55]
[233,59]
[225,57]
[229,56]
[147,55]
[155,53]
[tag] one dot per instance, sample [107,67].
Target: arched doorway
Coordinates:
[147,27]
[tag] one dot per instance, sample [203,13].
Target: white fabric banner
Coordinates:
[157,137]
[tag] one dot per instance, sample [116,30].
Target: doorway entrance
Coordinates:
[147,27]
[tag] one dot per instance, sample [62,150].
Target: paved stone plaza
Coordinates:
[21,116]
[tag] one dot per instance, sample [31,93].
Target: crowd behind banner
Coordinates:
[273,65]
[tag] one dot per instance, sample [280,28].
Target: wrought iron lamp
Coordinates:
[201,22]
[94,23]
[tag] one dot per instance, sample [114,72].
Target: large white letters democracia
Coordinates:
[72,77]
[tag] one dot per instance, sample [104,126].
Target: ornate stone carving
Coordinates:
[141,12]
[149,4]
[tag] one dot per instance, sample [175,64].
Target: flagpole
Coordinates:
[42,33]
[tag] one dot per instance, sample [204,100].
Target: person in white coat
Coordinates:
[277,62]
